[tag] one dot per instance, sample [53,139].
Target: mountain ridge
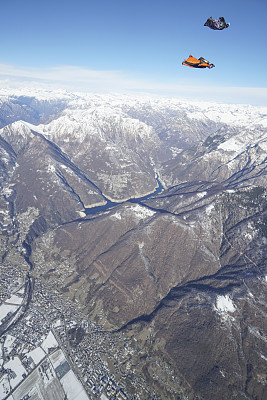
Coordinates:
[180,271]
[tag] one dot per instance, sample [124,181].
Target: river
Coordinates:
[109,204]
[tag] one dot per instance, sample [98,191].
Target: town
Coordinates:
[48,345]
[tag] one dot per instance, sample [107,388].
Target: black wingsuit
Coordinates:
[216,24]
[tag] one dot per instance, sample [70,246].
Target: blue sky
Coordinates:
[136,46]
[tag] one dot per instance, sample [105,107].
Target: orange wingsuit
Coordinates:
[197,62]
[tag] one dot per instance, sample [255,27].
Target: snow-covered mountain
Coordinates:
[133,137]
[150,213]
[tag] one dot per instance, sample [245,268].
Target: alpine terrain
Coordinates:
[133,248]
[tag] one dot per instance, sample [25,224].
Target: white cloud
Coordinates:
[61,76]
[76,78]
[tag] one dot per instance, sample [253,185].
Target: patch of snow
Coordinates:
[37,355]
[5,309]
[141,212]
[117,215]
[8,342]
[58,323]
[7,191]
[230,191]
[17,371]
[225,304]
[231,145]
[21,290]
[248,236]
[201,194]
[4,387]
[72,387]
[175,151]
[51,168]
[16,300]
[49,342]
[209,209]
[222,373]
